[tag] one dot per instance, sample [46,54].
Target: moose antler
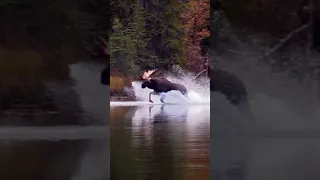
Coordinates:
[146,74]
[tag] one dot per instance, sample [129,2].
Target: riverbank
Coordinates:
[122,98]
[79,100]
[117,88]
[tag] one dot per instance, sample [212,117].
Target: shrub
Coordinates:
[20,69]
[117,83]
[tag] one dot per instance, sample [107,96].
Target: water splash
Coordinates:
[194,117]
[198,92]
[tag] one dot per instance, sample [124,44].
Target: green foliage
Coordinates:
[172,32]
[118,47]
[129,43]
[148,37]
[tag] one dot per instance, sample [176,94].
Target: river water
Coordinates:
[160,142]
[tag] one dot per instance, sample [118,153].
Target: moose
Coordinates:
[160,85]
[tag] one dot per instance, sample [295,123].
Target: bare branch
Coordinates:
[284,40]
[198,75]
[106,47]
[89,48]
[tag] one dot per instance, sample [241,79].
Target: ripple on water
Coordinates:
[178,144]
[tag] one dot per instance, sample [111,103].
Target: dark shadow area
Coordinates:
[52,160]
[52,54]
[39,43]
[273,48]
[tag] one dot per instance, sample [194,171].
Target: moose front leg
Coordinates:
[151,93]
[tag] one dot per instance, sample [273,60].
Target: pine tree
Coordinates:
[129,43]
[139,36]
[118,47]
[172,33]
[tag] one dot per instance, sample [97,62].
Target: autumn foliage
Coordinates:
[196,19]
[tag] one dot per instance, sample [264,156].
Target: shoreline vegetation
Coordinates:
[142,36]
[38,43]
[117,85]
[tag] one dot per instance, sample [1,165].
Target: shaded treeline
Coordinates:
[39,39]
[283,33]
[158,34]
[56,27]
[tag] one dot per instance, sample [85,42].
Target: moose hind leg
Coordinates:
[162,96]
[187,96]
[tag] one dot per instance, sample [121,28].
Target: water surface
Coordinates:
[160,142]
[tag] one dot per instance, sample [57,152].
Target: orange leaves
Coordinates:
[196,19]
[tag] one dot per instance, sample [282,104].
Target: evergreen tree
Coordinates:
[129,44]
[118,47]
[172,33]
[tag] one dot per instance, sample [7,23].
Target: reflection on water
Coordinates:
[54,160]
[160,142]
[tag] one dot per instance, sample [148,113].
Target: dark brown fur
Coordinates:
[228,84]
[232,87]
[105,76]
[163,85]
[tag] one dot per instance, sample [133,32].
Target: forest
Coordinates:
[158,34]
[131,35]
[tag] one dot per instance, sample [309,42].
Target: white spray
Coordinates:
[198,92]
